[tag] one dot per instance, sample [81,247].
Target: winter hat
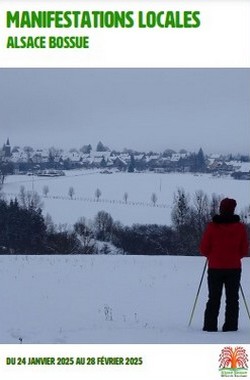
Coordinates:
[227,206]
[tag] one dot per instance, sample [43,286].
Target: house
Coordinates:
[243,172]
[120,164]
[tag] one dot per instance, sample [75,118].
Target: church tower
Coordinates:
[7,148]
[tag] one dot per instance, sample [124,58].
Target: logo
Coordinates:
[233,362]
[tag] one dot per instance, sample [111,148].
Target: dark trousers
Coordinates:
[230,278]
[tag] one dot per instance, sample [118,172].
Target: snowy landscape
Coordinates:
[138,186]
[157,124]
[112,298]
[108,299]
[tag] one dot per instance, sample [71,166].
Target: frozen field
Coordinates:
[139,187]
[108,299]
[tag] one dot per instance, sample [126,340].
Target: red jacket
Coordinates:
[224,242]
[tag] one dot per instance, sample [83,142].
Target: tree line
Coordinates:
[24,229]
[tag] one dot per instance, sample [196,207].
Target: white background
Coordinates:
[161,362]
[221,40]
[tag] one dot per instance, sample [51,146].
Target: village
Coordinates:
[53,161]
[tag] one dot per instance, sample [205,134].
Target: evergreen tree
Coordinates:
[23,230]
[131,167]
[86,149]
[101,148]
[181,218]
[3,224]
[181,210]
[200,161]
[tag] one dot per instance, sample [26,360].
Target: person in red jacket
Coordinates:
[224,243]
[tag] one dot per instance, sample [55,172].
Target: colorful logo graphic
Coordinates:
[233,362]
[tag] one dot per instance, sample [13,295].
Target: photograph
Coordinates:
[124,205]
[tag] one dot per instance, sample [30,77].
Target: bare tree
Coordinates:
[85,236]
[215,204]
[200,211]
[54,153]
[98,193]
[71,192]
[28,150]
[103,224]
[125,197]
[29,199]
[49,224]
[245,215]
[154,198]
[2,177]
[3,170]
[1,191]
[45,190]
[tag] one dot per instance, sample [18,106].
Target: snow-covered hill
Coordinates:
[108,299]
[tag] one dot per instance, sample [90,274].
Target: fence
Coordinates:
[95,200]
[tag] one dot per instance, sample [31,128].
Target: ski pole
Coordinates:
[197,295]
[245,301]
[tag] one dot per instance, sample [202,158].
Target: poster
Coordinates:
[109,111]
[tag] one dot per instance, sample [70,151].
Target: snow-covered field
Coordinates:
[108,299]
[111,299]
[138,186]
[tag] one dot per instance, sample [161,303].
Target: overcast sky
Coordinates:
[142,109]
